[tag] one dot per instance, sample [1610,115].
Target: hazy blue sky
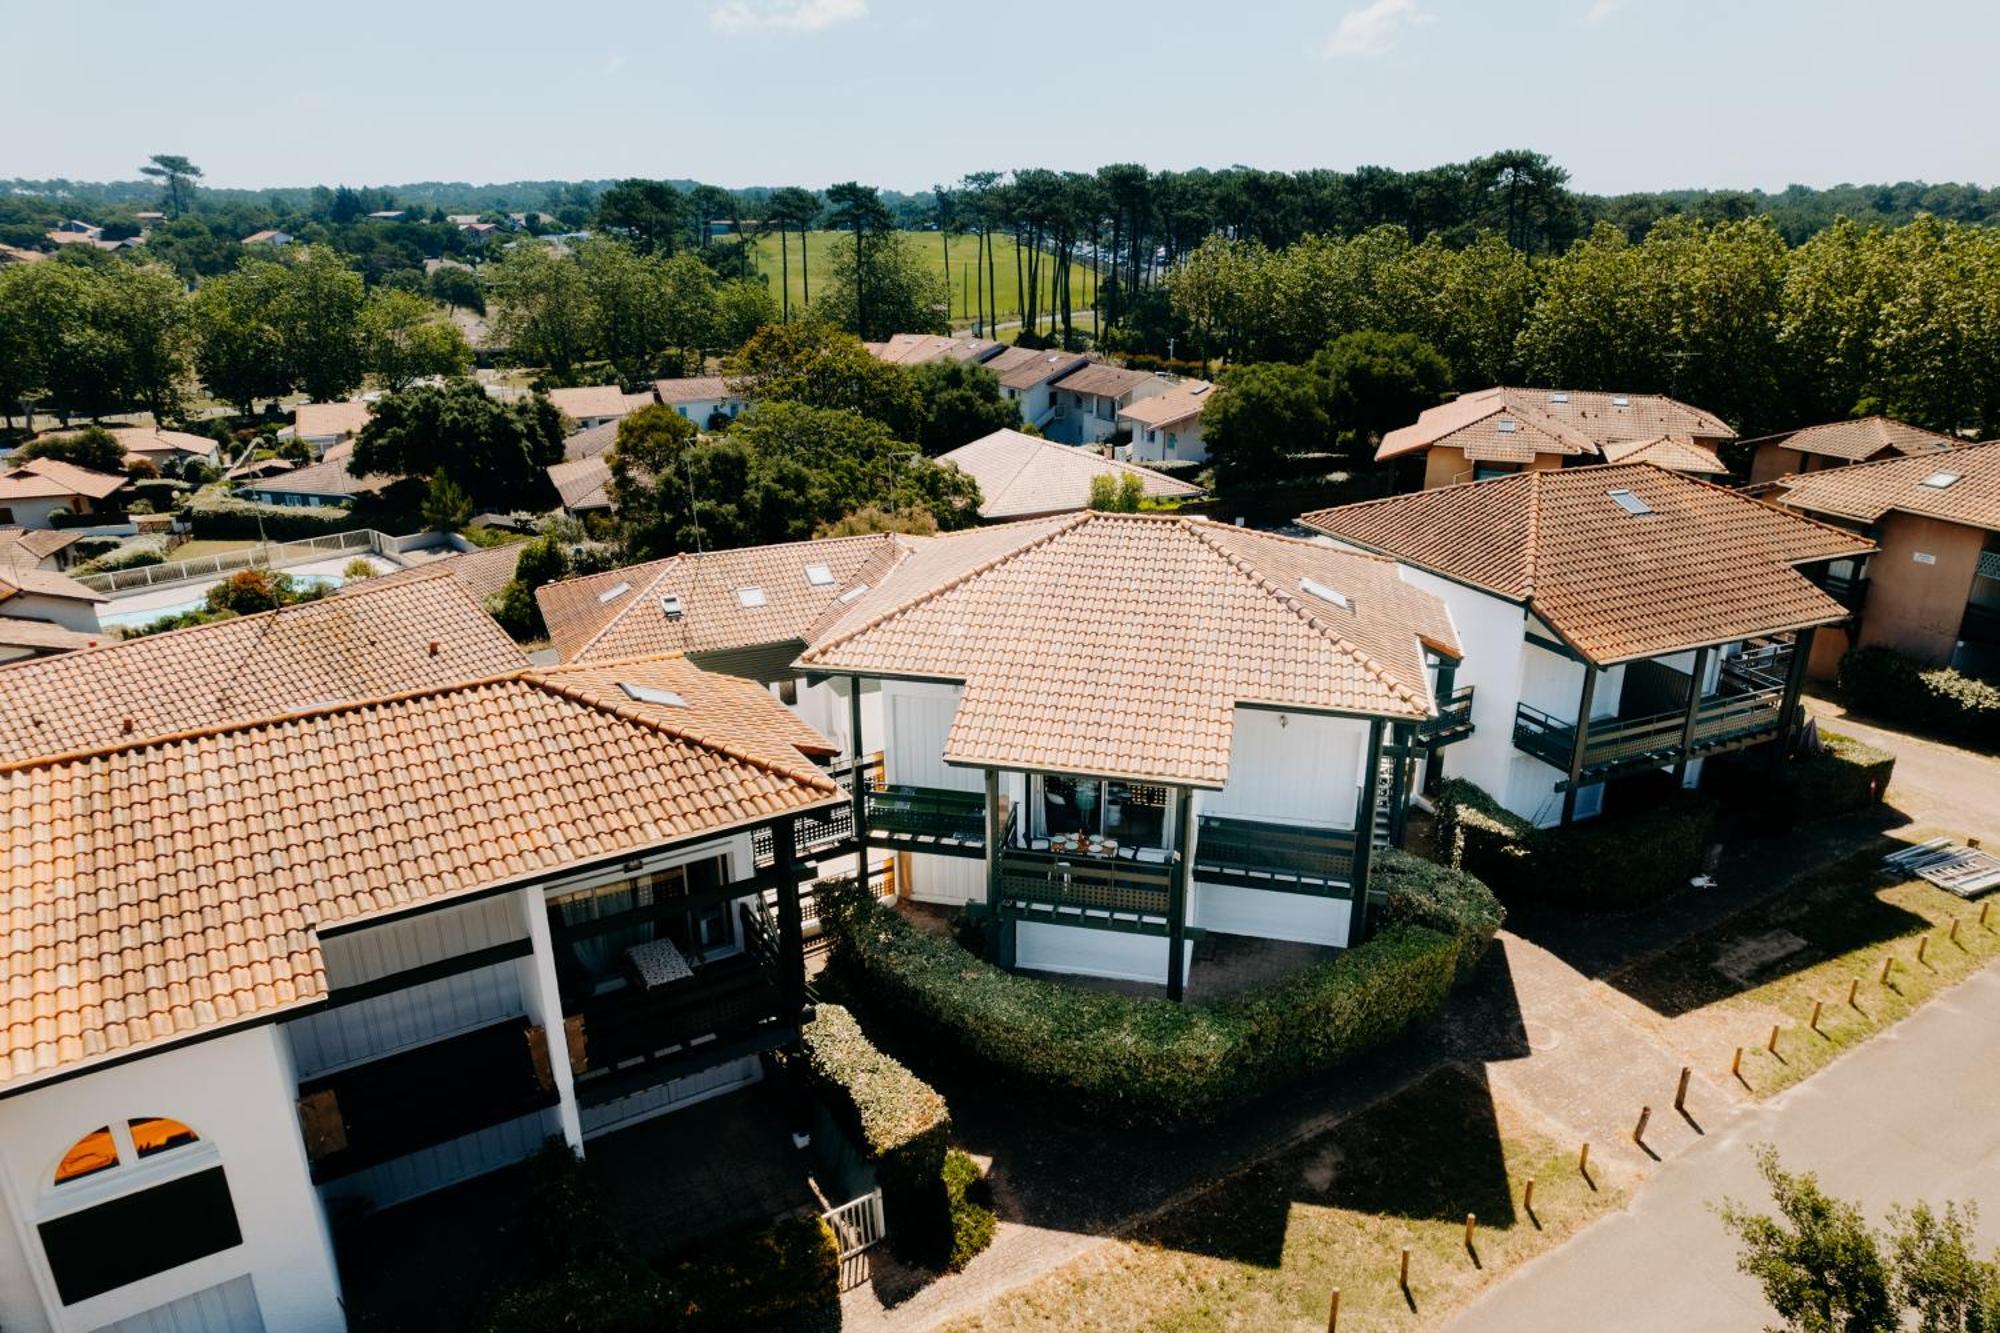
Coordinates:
[1629,94]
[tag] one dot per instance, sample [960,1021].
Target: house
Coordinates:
[1020,476]
[706,400]
[77,227]
[1166,427]
[42,611]
[257,468]
[35,493]
[317,485]
[89,238]
[320,426]
[1496,431]
[483,572]
[917,349]
[158,446]
[583,484]
[1676,453]
[1839,443]
[14,254]
[1932,590]
[593,405]
[38,548]
[1027,377]
[590,443]
[270,237]
[1089,399]
[21,638]
[385,948]
[388,215]
[1618,621]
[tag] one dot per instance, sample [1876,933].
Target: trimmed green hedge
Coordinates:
[1149,1060]
[213,516]
[1847,775]
[1615,863]
[1880,682]
[759,1276]
[973,1221]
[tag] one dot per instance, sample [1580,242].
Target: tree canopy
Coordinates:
[493,452]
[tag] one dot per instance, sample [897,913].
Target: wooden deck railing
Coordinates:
[1613,744]
[1453,721]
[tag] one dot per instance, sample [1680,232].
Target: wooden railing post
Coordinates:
[1691,713]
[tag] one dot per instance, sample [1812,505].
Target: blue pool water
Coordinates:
[139,619]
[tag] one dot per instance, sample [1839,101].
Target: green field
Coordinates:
[963,281]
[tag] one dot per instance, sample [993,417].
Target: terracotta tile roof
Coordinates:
[1707,565]
[373,641]
[252,469]
[1858,440]
[158,890]
[24,578]
[47,478]
[482,573]
[617,614]
[1024,367]
[594,400]
[1866,491]
[328,477]
[916,349]
[1180,403]
[692,389]
[31,546]
[1571,422]
[148,441]
[42,636]
[590,442]
[1678,453]
[583,483]
[323,420]
[1105,380]
[1020,475]
[1121,644]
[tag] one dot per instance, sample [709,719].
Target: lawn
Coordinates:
[963,282]
[1265,1249]
[198,549]
[1727,987]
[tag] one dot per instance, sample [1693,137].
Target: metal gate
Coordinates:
[857,1227]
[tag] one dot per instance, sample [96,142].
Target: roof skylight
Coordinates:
[1326,594]
[648,694]
[750,597]
[853,592]
[1558,397]
[1629,502]
[1621,401]
[614,592]
[671,604]
[819,576]
[1508,425]
[1938,481]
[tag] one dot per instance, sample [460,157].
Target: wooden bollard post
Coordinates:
[1403,1279]
[1528,1196]
[1471,1221]
[1333,1312]
[1583,1160]
[1681,1093]
[1736,1064]
[1983,909]
[1922,945]
[1954,930]
[1815,1018]
[1639,1130]
[1853,987]
[1772,1044]
[1888,965]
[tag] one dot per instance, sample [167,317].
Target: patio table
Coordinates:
[1084,845]
[658,962]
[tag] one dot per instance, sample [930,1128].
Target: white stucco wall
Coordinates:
[916,717]
[237,1092]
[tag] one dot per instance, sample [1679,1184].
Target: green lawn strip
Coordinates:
[963,282]
[1850,920]
[1265,1249]
[198,549]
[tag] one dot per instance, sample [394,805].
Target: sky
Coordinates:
[1628,94]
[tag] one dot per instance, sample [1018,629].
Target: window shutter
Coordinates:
[321,1124]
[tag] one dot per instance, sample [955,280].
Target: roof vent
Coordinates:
[1508,425]
[1326,594]
[671,604]
[750,597]
[1558,397]
[819,576]
[614,592]
[1199,390]
[647,694]
[853,593]
[1938,481]
[1629,502]
[1621,401]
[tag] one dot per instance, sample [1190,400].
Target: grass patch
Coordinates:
[202,548]
[1769,965]
[964,284]
[1264,1249]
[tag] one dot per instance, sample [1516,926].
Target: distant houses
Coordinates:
[39,492]
[706,400]
[317,485]
[1028,378]
[1838,444]
[1166,427]
[320,426]
[1021,476]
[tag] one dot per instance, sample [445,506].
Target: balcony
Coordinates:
[1621,745]
[926,819]
[634,1037]
[1285,858]
[1075,890]
[1452,723]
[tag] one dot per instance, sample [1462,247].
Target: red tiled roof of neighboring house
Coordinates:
[148,441]
[256,237]
[1702,565]
[1020,475]
[1024,367]
[483,572]
[328,477]
[618,613]
[583,483]
[1864,492]
[1183,402]
[375,640]
[31,546]
[1122,644]
[692,389]
[590,401]
[1680,453]
[16,579]
[164,888]
[317,421]
[1105,380]
[1571,422]
[590,441]
[916,349]
[41,636]
[14,254]
[1860,439]
[46,478]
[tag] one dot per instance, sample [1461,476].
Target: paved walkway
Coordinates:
[1938,785]
[1913,1114]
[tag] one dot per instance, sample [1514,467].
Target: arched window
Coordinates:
[110,1146]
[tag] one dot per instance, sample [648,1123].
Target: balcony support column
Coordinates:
[1364,836]
[791,924]
[1691,714]
[999,923]
[1401,748]
[1795,681]
[1177,885]
[855,781]
[1582,738]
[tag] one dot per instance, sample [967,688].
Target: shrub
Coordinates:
[1148,1060]
[1451,902]
[214,516]
[972,1218]
[1846,775]
[1615,863]
[1883,683]
[759,1276]
[131,557]
[900,1123]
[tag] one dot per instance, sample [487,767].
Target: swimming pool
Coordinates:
[153,614]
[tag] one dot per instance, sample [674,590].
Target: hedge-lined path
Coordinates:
[1937,784]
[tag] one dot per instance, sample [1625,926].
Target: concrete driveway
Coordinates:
[1939,786]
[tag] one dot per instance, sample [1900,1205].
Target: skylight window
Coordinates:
[1629,502]
[614,592]
[1621,401]
[1508,425]
[1558,397]
[819,576]
[1939,481]
[648,694]
[750,597]
[671,605]
[1326,594]
[853,592]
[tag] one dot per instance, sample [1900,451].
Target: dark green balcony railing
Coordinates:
[1453,721]
[1286,857]
[1981,624]
[901,813]
[1107,885]
[1616,745]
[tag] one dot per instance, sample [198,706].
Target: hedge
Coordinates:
[1763,790]
[1145,1060]
[1881,682]
[1615,863]
[759,1276]
[973,1221]
[213,516]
